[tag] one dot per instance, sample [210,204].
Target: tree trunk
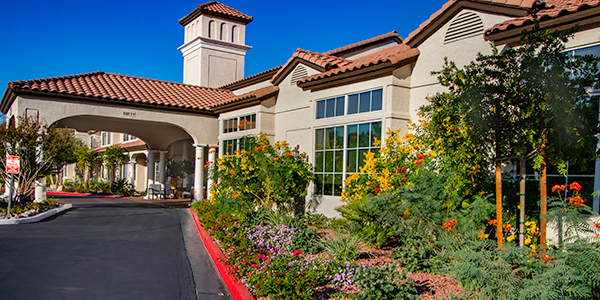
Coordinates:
[499,201]
[523,176]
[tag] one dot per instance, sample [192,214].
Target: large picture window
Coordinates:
[239,123]
[340,151]
[356,103]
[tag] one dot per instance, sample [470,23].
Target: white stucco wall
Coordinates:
[434,50]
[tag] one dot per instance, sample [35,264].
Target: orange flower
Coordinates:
[214,184]
[597,225]
[421,156]
[288,154]
[418,162]
[275,158]
[368,182]
[235,196]
[558,187]
[231,172]
[248,123]
[403,179]
[450,224]
[575,186]
[493,222]
[241,126]
[257,148]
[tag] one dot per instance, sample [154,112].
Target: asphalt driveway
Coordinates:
[108,249]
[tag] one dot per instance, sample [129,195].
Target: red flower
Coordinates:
[418,162]
[403,169]
[382,176]
[421,156]
[403,179]
[376,190]
[397,170]
[417,148]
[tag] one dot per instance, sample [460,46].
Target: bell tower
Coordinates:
[214,46]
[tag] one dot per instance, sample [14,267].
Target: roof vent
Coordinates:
[299,73]
[466,25]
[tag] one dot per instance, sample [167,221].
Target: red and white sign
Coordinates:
[12,164]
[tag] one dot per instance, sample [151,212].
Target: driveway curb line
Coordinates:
[236,288]
[37,218]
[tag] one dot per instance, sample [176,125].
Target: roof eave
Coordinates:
[243,103]
[7,99]
[267,75]
[199,11]
[455,8]
[562,23]
[377,70]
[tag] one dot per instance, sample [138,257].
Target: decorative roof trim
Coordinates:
[217,9]
[515,8]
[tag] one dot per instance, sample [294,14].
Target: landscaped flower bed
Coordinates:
[28,209]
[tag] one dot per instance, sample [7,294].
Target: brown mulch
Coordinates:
[429,286]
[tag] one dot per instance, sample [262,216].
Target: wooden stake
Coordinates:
[499,202]
[522,202]
[544,201]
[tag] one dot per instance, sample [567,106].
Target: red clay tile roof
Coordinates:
[326,62]
[123,88]
[366,43]
[256,94]
[550,9]
[249,80]
[522,4]
[392,55]
[216,9]
[130,145]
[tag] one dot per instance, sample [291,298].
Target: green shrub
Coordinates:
[316,220]
[382,283]
[343,247]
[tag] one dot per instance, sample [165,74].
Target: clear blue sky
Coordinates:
[140,38]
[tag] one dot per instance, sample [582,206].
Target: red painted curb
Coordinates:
[83,195]
[236,288]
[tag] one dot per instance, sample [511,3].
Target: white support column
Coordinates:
[150,168]
[105,175]
[40,190]
[131,169]
[185,154]
[212,153]
[199,172]
[161,168]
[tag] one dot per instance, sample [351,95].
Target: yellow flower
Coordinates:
[528,241]
[510,238]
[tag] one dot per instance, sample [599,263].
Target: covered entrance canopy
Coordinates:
[158,112]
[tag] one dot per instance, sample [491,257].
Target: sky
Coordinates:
[40,39]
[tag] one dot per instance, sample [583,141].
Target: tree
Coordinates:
[43,151]
[531,98]
[85,159]
[113,158]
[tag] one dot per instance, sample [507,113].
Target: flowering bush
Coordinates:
[261,174]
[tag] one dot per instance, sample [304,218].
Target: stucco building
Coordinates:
[332,104]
